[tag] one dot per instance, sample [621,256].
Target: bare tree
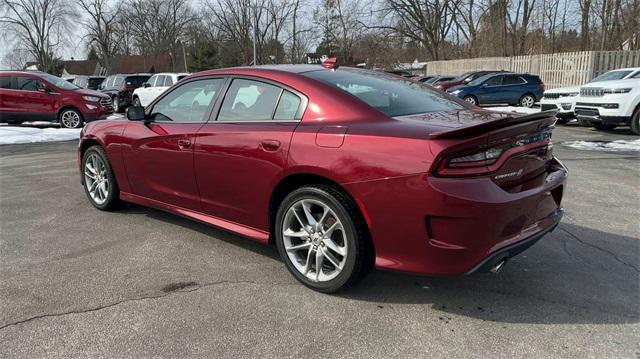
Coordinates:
[428,22]
[231,20]
[38,26]
[550,19]
[17,58]
[159,25]
[102,29]
[469,14]
[519,19]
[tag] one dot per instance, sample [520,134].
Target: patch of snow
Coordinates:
[12,135]
[42,123]
[513,109]
[115,116]
[618,145]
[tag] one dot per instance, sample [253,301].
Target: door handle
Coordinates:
[182,144]
[270,145]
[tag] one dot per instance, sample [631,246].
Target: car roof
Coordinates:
[173,73]
[291,68]
[134,74]
[625,69]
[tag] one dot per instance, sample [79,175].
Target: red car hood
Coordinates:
[447,85]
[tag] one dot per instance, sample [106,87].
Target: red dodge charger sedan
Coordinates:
[342,169]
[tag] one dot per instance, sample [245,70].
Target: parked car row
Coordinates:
[610,100]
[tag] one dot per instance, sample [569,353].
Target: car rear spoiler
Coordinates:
[494,125]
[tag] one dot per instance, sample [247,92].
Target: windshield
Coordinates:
[612,75]
[95,82]
[59,82]
[389,94]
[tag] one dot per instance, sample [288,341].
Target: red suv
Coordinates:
[38,96]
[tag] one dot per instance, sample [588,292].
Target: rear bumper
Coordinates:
[451,226]
[514,249]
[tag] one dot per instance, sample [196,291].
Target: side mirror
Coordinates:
[485,85]
[135,113]
[146,84]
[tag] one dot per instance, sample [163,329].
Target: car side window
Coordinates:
[168,81]
[287,108]
[27,83]
[5,82]
[188,102]
[249,100]
[635,76]
[494,81]
[513,80]
[152,81]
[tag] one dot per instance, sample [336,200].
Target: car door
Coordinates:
[9,99]
[36,103]
[240,156]
[159,153]
[491,91]
[161,86]
[145,92]
[513,86]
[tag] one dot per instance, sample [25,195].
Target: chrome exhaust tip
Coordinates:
[498,267]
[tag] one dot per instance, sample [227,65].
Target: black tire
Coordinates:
[585,123]
[113,193]
[359,258]
[635,123]
[527,100]
[472,100]
[116,105]
[136,101]
[604,126]
[64,118]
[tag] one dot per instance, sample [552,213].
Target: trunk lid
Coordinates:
[513,150]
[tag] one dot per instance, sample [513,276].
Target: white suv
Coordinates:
[608,104]
[157,84]
[564,99]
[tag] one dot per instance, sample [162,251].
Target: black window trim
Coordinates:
[304,101]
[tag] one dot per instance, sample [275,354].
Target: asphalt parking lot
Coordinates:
[138,283]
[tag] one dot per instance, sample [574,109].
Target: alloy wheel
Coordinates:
[96,179]
[314,240]
[527,101]
[470,99]
[70,119]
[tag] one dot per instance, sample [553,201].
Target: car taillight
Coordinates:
[486,159]
[542,86]
[481,158]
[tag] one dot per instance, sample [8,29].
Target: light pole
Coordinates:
[255,34]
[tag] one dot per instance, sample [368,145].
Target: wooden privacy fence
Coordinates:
[555,70]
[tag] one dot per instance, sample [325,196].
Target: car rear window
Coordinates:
[137,80]
[95,82]
[389,94]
